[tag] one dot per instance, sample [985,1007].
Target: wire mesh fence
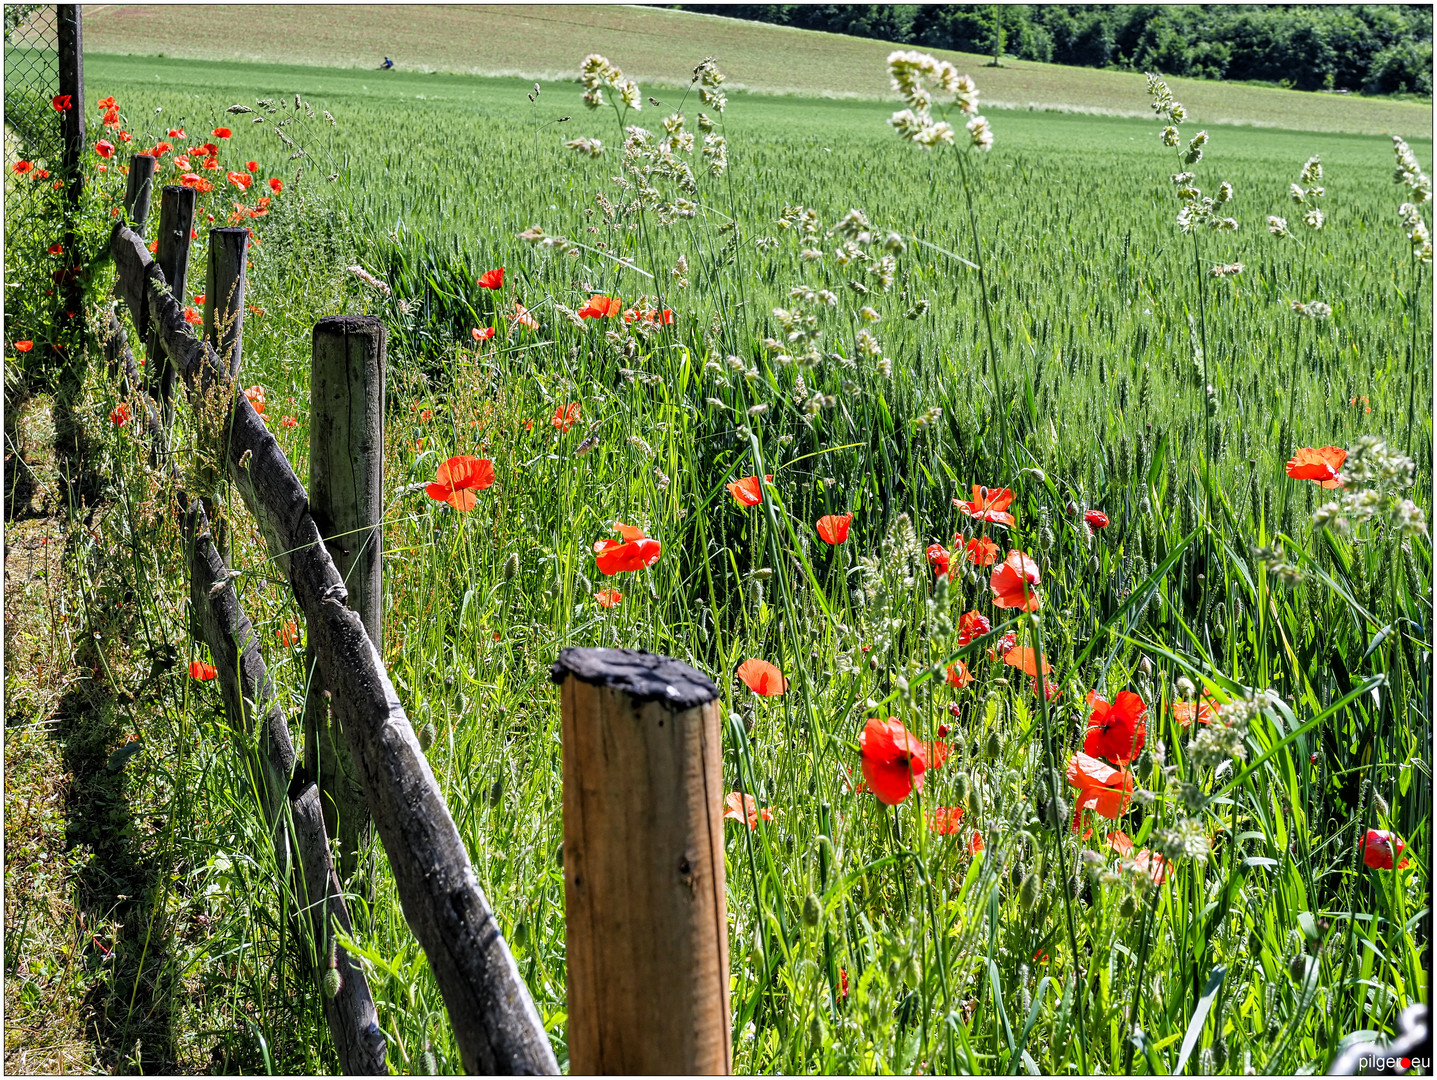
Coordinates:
[33,133]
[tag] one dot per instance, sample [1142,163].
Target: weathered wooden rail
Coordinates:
[496,1026]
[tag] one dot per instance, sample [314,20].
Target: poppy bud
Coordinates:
[811,910]
[913,972]
[1094,565]
[1381,804]
[496,793]
[559,855]
[1297,967]
[1145,666]
[511,567]
[817,1032]
[332,983]
[953,710]
[1070,509]
[1129,907]
[873,663]
[521,933]
[994,747]
[428,1066]
[1144,766]
[1185,687]
[427,735]
[961,789]
[1028,892]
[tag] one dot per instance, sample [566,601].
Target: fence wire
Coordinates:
[32,125]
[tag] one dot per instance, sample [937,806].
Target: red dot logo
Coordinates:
[1406,1063]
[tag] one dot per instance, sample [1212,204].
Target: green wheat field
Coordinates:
[886,330]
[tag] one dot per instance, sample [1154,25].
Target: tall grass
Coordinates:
[863,940]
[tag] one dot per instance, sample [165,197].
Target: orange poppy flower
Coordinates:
[120,415]
[1116,731]
[202,672]
[943,820]
[958,675]
[252,166]
[104,148]
[276,184]
[980,551]
[105,103]
[762,678]
[975,843]
[289,421]
[1184,712]
[833,528]
[662,318]
[23,166]
[600,307]
[1012,583]
[1026,660]
[239,179]
[566,416]
[1100,787]
[742,807]
[935,753]
[482,335]
[221,133]
[893,760]
[288,634]
[457,479]
[608,597]
[1150,861]
[939,557]
[1365,401]
[193,317]
[491,279]
[256,398]
[24,346]
[196,181]
[1321,464]
[988,504]
[521,317]
[635,552]
[748,491]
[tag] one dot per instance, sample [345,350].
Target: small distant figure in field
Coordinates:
[388,63]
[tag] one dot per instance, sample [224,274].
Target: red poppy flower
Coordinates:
[843,982]
[239,179]
[456,481]
[566,416]
[972,624]
[747,491]
[1203,710]
[483,334]
[1100,787]
[1116,731]
[959,675]
[1321,464]
[522,317]
[762,678]
[182,163]
[176,133]
[943,820]
[61,102]
[44,174]
[980,551]
[938,556]
[221,133]
[111,118]
[193,317]
[288,634]
[1154,864]
[1026,660]
[199,183]
[935,753]
[635,552]
[1096,519]
[252,166]
[212,163]
[57,248]
[1006,642]
[975,843]
[644,315]
[833,528]
[276,184]
[104,148]
[161,149]
[1012,583]
[202,672]
[742,807]
[289,421]
[492,279]
[1380,848]
[24,346]
[988,504]
[120,415]
[893,760]
[105,103]
[23,166]
[609,597]
[600,307]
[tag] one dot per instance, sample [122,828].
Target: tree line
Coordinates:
[1367,48]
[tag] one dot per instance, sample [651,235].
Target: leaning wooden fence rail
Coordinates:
[496,1025]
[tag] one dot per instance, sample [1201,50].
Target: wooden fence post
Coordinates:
[177,216]
[346,499]
[647,931]
[224,295]
[139,185]
[70,56]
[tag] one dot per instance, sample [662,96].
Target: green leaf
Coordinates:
[1199,1016]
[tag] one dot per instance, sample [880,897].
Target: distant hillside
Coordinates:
[661,46]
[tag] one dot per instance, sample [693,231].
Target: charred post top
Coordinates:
[349,324]
[644,676]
